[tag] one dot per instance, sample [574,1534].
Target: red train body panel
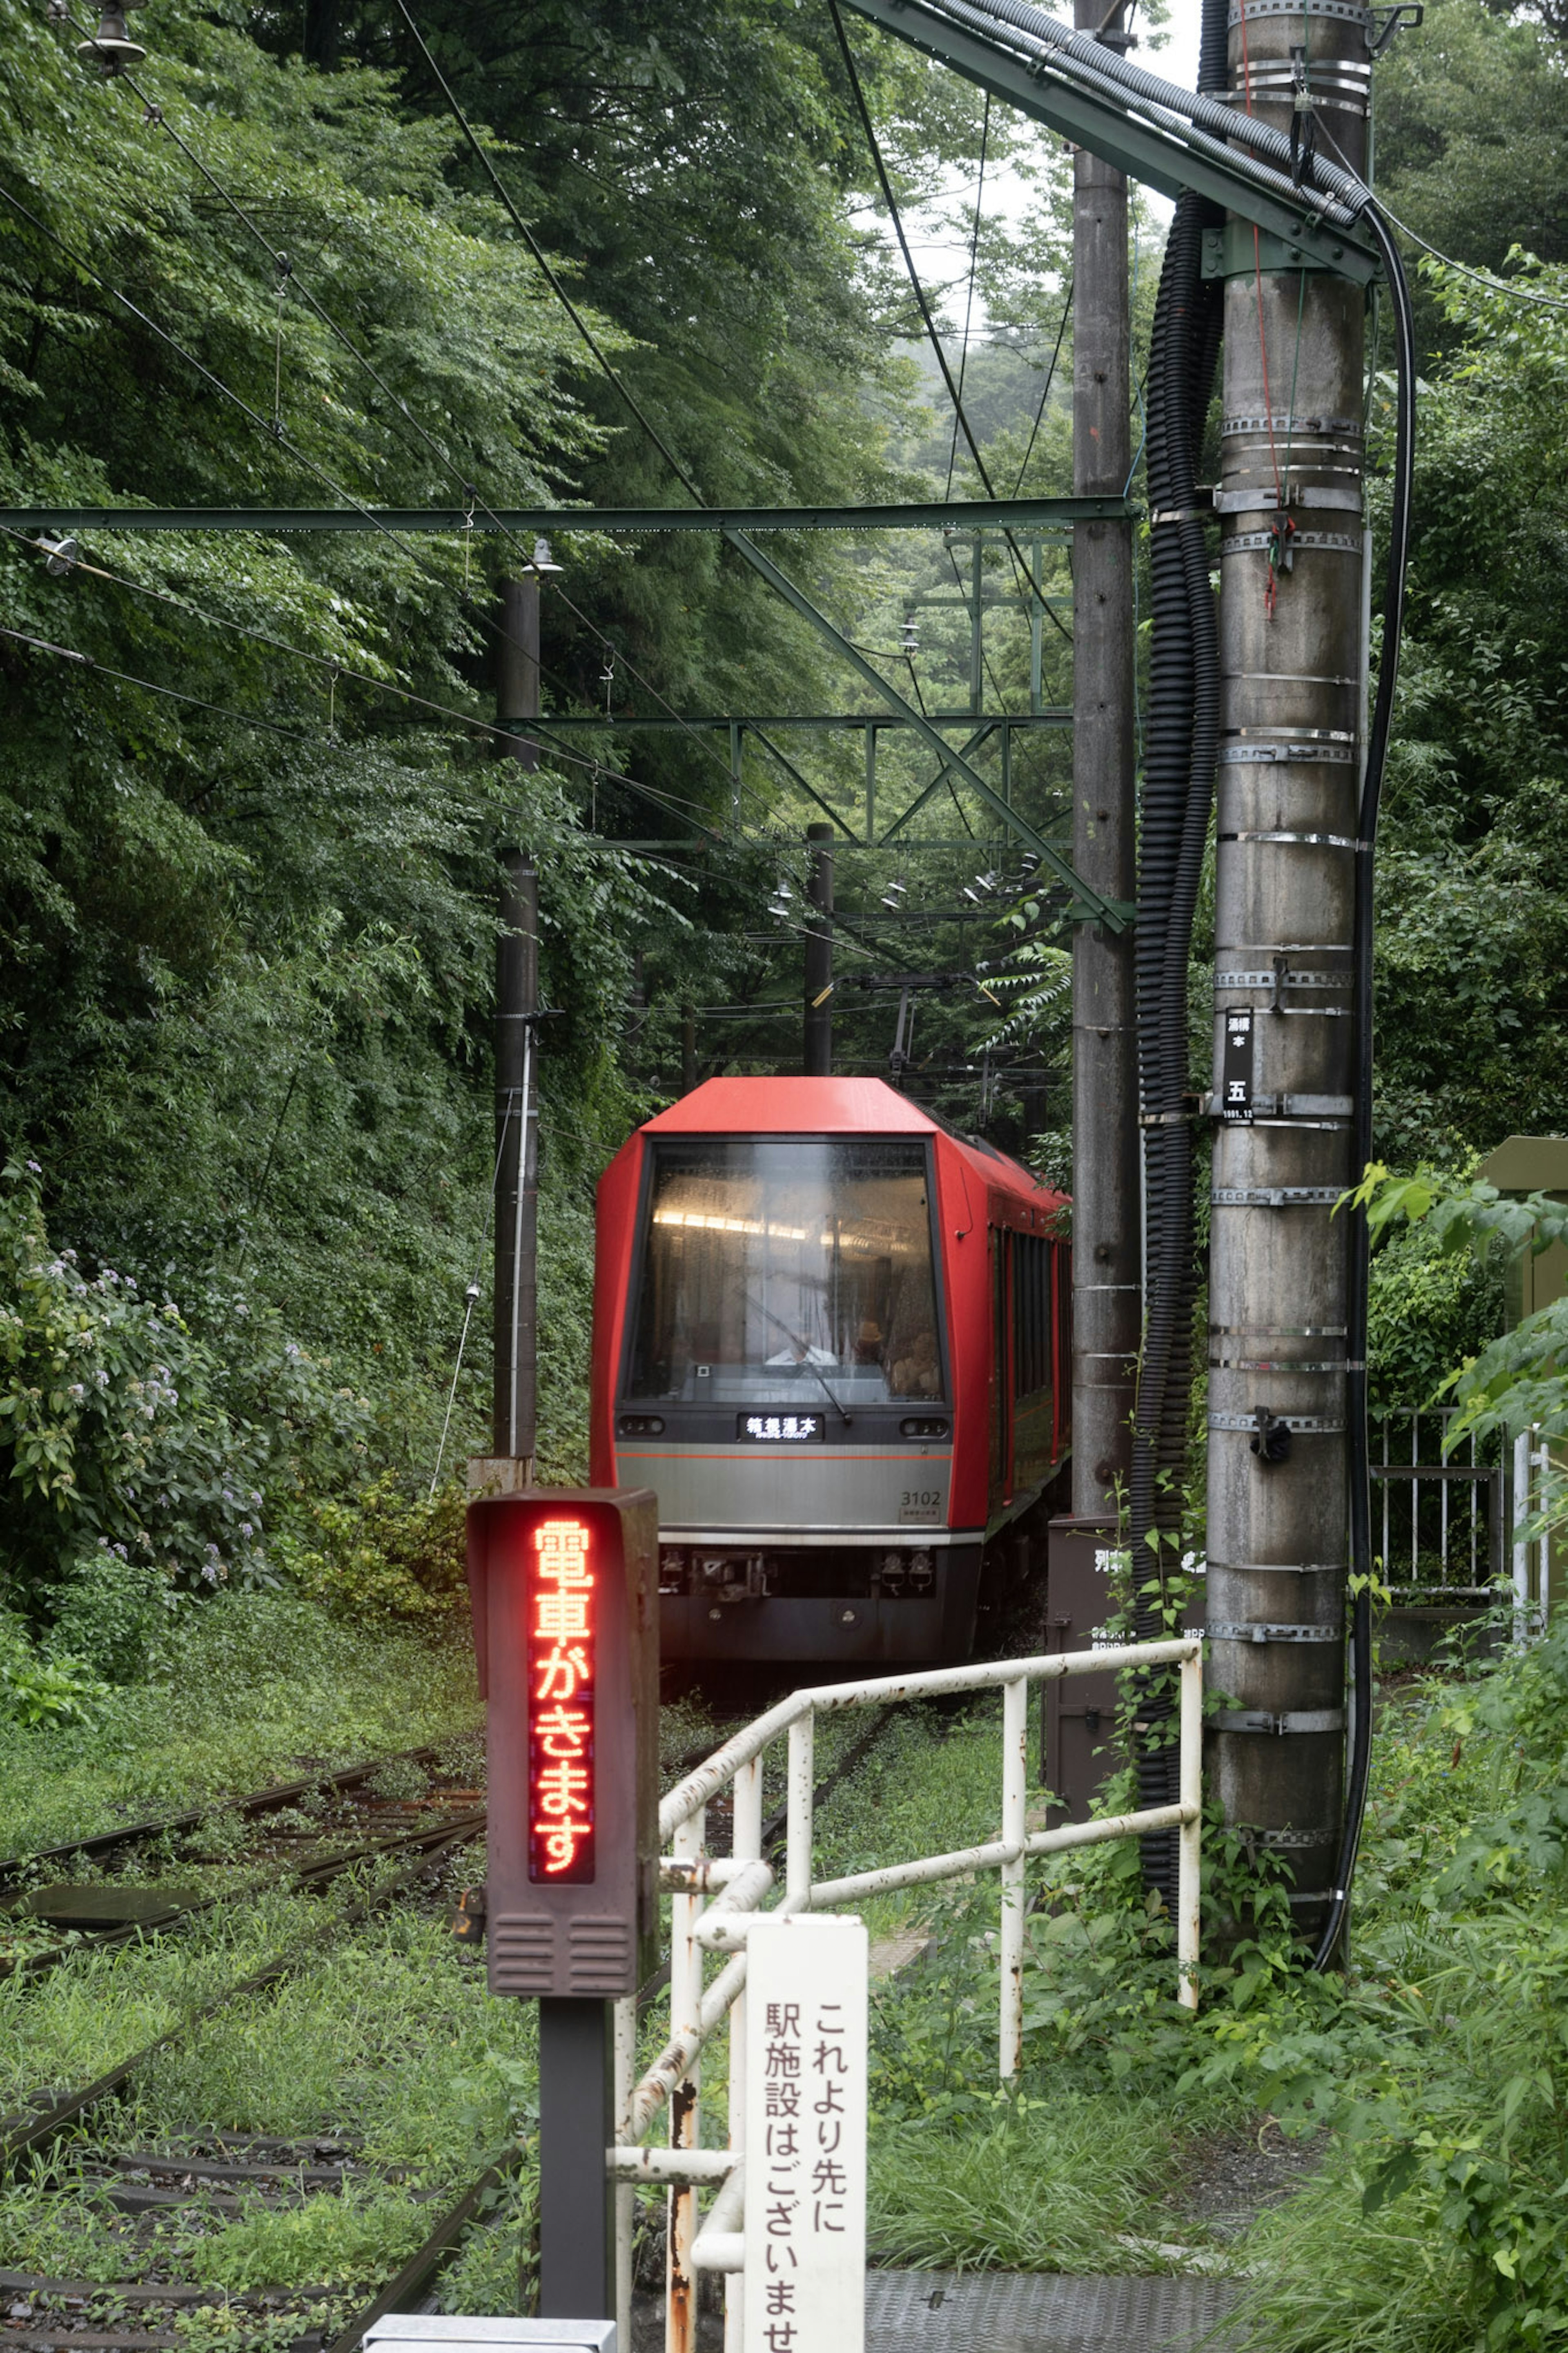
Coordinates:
[832,1337]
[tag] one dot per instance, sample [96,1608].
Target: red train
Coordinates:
[834,1337]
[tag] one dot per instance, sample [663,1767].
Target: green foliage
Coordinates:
[1473,862]
[1515,1382]
[377,1554]
[234,1695]
[135,1453]
[1048,2184]
[35,1691]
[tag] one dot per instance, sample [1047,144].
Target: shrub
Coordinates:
[380,1553]
[138,1458]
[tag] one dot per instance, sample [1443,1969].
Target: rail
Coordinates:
[716,1898]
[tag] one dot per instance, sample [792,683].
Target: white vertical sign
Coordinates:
[805,2135]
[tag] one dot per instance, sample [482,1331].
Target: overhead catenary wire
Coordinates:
[933,335]
[470,721]
[150,686]
[969,296]
[552,280]
[287,273]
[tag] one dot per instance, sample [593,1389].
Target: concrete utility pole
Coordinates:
[515,1411]
[1293,714]
[816,1059]
[1106,1291]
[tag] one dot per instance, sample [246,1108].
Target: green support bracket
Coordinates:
[1146,146]
[1087,905]
[1238,250]
[928,514]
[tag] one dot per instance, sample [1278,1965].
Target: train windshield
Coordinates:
[773,1271]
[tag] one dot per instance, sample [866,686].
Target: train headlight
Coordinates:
[924,1426]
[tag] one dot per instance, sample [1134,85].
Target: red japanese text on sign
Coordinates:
[561,1642]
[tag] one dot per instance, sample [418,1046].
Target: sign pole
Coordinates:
[564,1587]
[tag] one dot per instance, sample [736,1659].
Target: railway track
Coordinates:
[207,2177]
[308,1833]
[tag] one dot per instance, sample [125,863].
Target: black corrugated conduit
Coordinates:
[1182,740]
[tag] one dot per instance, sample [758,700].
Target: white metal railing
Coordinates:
[717,1897]
[1532,1555]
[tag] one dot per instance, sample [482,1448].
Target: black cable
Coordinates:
[551,280]
[969,298]
[914,275]
[1180,757]
[1046,394]
[1360,1765]
[171,693]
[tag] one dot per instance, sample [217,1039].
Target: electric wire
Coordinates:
[1045,391]
[288,273]
[468,721]
[469,491]
[961,415]
[149,686]
[969,296]
[551,280]
[1378,735]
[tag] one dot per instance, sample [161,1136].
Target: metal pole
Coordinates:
[515,1401]
[1292,715]
[1106,1209]
[1014,1830]
[685,2005]
[816,1060]
[746,1846]
[977,615]
[576,2230]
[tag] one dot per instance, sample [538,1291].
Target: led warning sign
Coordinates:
[562,1676]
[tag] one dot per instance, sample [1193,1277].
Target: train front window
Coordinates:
[778,1271]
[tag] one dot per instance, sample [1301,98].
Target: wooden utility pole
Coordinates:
[1107,1230]
[515,1408]
[1292,741]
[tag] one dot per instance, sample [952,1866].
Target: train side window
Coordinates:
[1031,1315]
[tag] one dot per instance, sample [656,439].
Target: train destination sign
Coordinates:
[780,1429]
[805,2135]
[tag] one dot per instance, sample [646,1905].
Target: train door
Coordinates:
[1001,1366]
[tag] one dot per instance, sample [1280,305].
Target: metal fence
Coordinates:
[717,1897]
[1441,1522]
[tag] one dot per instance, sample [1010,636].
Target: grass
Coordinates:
[252,1688]
[1047,2186]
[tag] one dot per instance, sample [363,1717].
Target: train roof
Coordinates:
[792,1106]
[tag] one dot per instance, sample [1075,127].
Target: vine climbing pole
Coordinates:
[1292,721]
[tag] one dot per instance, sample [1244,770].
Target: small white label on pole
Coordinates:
[806,2137]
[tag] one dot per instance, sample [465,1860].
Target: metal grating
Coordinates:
[1011,2311]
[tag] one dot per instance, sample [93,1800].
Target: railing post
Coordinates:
[1014,1830]
[1189,1867]
[799,1820]
[684,2008]
[625,2058]
[746,1846]
[1520,1550]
